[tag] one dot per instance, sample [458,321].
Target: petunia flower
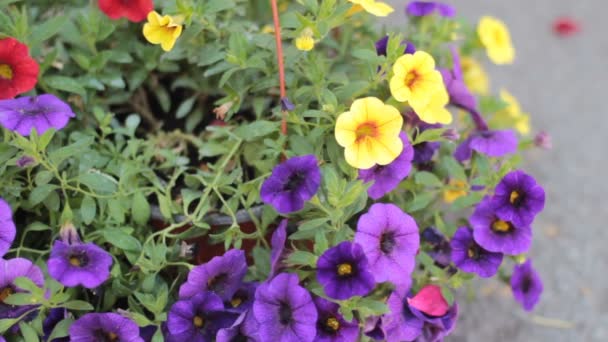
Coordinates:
[382,43]
[379,9]
[133,10]
[18,70]
[10,270]
[101,327]
[305,41]
[242,300]
[76,264]
[285,310]
[369,133]
[291,184]
[470,257]
[429,301]
[7,227]
[331,325]
[518,197]
[400,323]
[343,271]
[492,143]
[526,285]
[543,140]
[386,178]
[436,328]
[495,36]
[245,328]
[36,112]
[424,8]
[474,76]
[163,30]
[198,318]
[222,275]
[390,240]
[372,328]
[435,111]
[440,247]
[277,251]
[457,188]
[453,79]
[497,235]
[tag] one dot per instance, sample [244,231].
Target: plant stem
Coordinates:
[277,36]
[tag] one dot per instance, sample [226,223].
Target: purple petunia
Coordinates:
[222,275]
[331,326]
[10,270]
[435,329]
[101,327]
[390,240]
[423,8]
[381,44]
[400,323]
[387,177]
[198,318]
[441,250]
[242,300]
[7,227]
[497,235]
[343,271]
[292,183]
[277,242]
[76,264]
[488,142]
[518,198]
[39,112]
[471,257]
[373,328]
[460,95]
[285,310]
[526,285]
[243,329]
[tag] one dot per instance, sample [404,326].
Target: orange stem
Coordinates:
[277,36]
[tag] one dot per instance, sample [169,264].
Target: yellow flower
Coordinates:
[434,111]
[475,76]
[457,188]
[369,133]
[305,42]
[495,36]
[379,9]
[415,80]
[163,30]
[513,110]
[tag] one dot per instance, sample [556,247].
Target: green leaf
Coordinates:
[256,129]
[20,299]
[40,193]
[141,208]
[27,284]
[67,84]
[79,305]
[61,329]
[5,324]
[427,178]
[302,258]
[98,181]
[421,201]
[185,107]
[429,135]
[122,240]
[43,31]
[28,332]
[88,209]
[447,295]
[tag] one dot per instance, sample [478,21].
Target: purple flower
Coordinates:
[460,95]
[497,235]
[490,143]
[242,300]
[526,285]
[373,328]
[285,310]
[198,318]
[101,327]
[381,44]
[400,323]
[40,112]
[7,227]
[435,329]
[471,257]
[387,177]
[423,8]
[222,275]
[277,251]
[331,326]
[243,329]
[390,240]
[25,161]
[518,198]
[423,152]
[287,105]
[440,251]
[343,271]
[83,264]
[10,270]
[543,140]
[55,316]
[292,183]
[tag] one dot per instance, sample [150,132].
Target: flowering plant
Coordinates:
[230,170]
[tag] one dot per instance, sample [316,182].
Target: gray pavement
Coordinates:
[562,82]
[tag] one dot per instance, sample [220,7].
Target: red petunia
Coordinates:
[134,10]
[18,70]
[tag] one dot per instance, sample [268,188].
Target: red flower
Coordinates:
[18,70]
[565,27]
[134,10]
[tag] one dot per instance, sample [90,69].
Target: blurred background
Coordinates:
[562,83]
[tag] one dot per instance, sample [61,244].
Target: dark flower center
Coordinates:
[516,198]
[217,283]
[285,314]
[526,284]
[332,324]
[294,181]
[345,269]
[198,321]
[473,251]
[411,78]
[79,259]
[105,336]
[5,292]
[500,226]
[387,242]
[6,72]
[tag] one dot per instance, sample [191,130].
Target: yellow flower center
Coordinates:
[198,321]
[6,72]
[501,226]
[366,130]
[333,324]
[345,269]
[410,78]
[236,301]
[7,291]
[514,197]
[112,336]
[75,261]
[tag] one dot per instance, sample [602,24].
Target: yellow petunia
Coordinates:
[305,42]
[369,133]
[495,36]
[457,188]
[415,80]
[435,110]
[379,9]
[513,111]
[475,77]
[163,30]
